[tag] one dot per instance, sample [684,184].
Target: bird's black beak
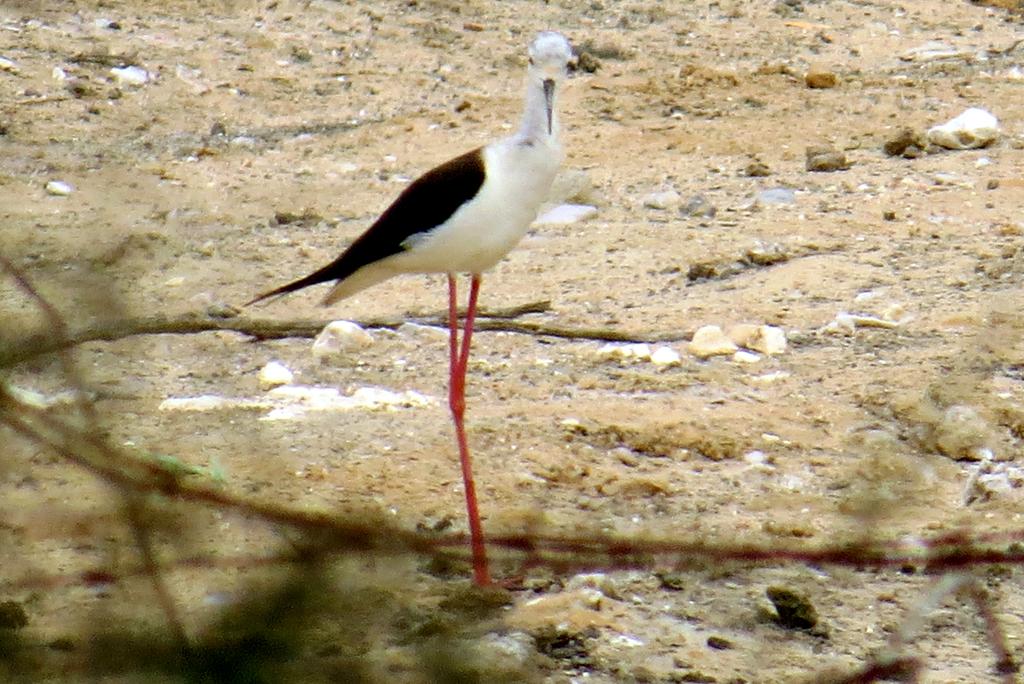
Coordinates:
[549,99]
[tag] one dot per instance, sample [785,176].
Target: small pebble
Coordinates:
[565,214]
[821,159]
[665,357]
[776,196]
[130,76]
[743,356]
[757,169]
[770,340]
[907,143]
[794,610]
[962,434]
[767,339]
[423,332]
[339,337]
[698,206]
[59,188]
[709,340]
[638,351]
[755,458]
[669,199]
[275,374]
[719,643]
[820,79]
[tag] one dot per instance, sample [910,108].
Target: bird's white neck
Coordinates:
[534,124]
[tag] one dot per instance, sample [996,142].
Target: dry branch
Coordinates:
[266,329]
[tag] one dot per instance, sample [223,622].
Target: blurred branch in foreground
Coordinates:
[253,639]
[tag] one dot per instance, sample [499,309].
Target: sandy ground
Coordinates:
[271,134]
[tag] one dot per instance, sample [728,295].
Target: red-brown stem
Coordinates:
[459,359]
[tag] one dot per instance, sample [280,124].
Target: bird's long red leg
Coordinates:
[459,360]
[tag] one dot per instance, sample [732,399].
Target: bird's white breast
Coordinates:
[484,229]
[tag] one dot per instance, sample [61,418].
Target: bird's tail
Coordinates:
[329,272]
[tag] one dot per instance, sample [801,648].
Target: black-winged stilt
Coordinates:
[463,217]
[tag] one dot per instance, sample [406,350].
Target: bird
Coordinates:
[463,216]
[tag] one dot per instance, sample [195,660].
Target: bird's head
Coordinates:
[550,55]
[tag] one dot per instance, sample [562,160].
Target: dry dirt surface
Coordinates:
[267,135]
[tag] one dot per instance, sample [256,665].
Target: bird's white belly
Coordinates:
[487,227]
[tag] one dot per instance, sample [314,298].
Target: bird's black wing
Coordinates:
[427,203]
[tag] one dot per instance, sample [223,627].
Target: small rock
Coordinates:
[709,340]
[742,333]
[793,610]
[667,199]
[908,143]
[587,62]
[637,351]
[776,196]
[9,65]
[274,374]
[757,169]
[130,76]
[973,128]
[756,458]
[822,158]
[59,188]
[665,357]
[767,339]
[673,580]
[423,332]
[565,214]
[820,78]
[962,434]
[932,50]
[770,340]
[698,206]
[558,643]
[600,581]
[719,643]
[743,356]
[338,337]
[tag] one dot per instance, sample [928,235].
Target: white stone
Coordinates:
[8,65]
[59,188]
[668,199]
[770,340]
[638,351]
[842,324]
[746,357]
[665,357]
[339,337]
[973,128]
[932,50]
[275,374]
[565,214]
[709,340]
[423,332]
[130,76]
[755,458]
